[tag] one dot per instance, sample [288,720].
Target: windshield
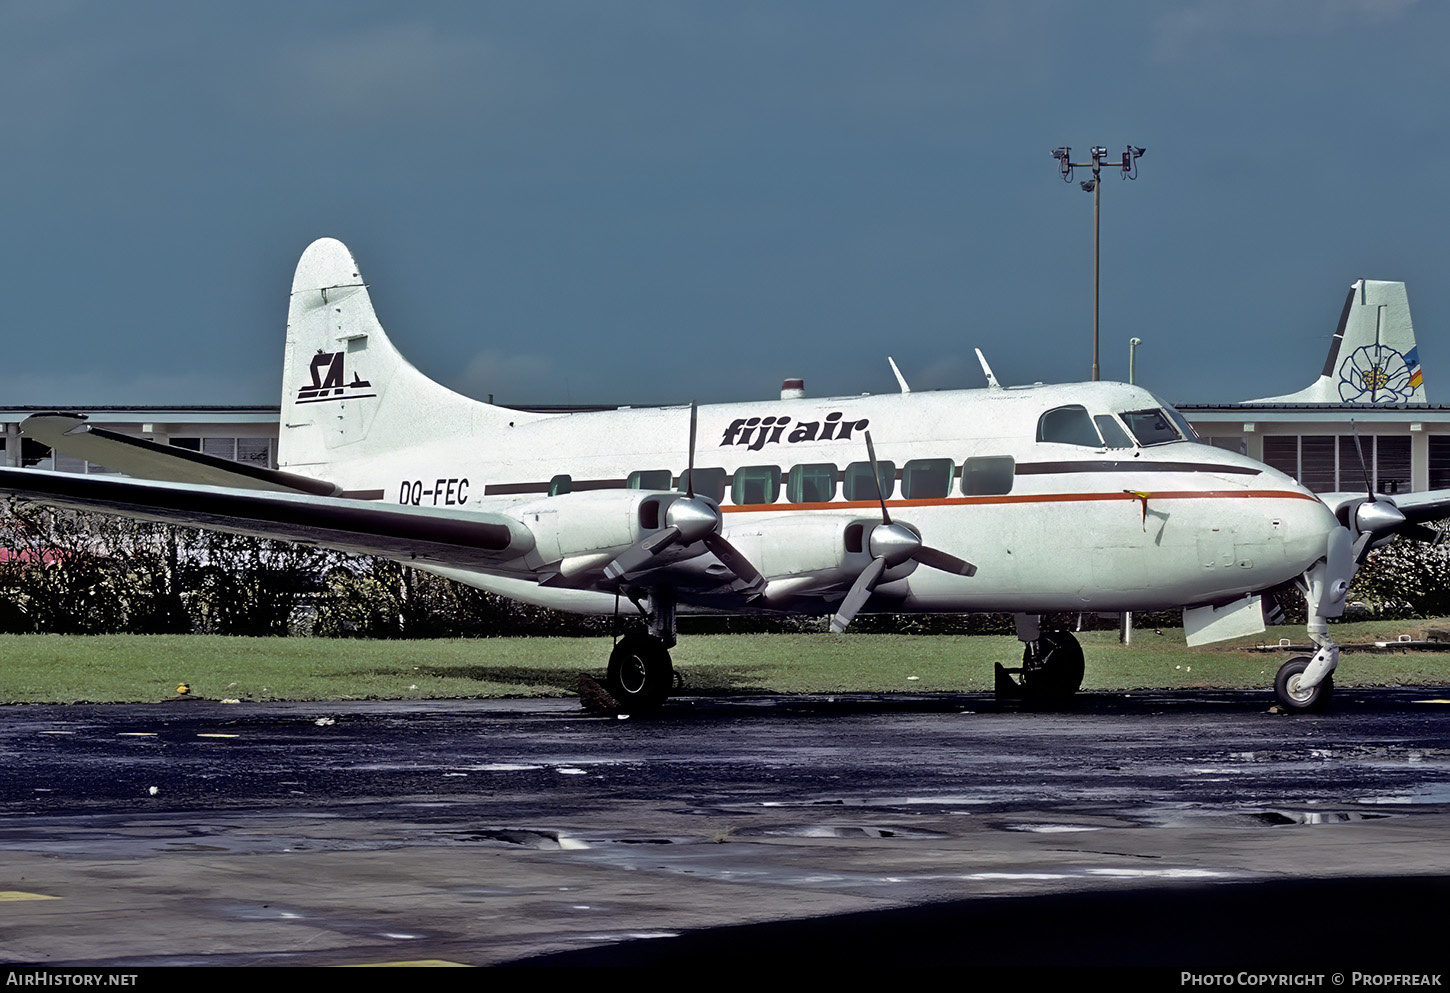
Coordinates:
[1184,427]
[1151,427]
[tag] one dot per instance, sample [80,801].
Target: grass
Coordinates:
[127,668]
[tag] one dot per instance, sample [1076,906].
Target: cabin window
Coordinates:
[990,475]
[858,485]
[1068,426]
[650,479]
[927,479]
[1151,427]
[755,484]
[811,483]
[1113,435]
[560,484]
[708,483]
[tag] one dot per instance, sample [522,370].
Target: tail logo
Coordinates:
[329,381]
[1375,374]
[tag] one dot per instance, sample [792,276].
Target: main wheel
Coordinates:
[1054,671]
[1292,697]
[640,673]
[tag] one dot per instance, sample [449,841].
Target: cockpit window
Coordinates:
[1113,435]
[1151,427]
[1068,426]
[1184,428]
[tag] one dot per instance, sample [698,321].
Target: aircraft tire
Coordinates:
[1055,672]
[1292,698]
[640,673]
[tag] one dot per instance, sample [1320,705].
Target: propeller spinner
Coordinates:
[890,545]
[688,519]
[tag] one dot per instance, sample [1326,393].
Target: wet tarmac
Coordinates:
[1169,828]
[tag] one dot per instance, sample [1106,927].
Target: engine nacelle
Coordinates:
[804,554]
[592,526]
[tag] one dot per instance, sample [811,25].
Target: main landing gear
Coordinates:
[640,674]
[1052,664]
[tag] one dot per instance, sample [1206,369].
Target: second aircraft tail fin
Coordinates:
[1372,357]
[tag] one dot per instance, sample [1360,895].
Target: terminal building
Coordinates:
[1371,385]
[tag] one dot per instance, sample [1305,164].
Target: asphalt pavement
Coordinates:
[1183,828]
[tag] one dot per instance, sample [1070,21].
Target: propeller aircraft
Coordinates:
[1028,500]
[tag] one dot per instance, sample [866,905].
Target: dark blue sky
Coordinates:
[659,202]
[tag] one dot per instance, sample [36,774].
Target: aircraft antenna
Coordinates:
[899,377]
[992,383]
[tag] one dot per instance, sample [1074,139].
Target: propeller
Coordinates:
[688,519]
[891,544]
[1374,516]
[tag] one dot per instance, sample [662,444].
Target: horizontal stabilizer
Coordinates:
[69,433]
[445,537]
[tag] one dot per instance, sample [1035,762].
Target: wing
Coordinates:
[443,537]
[144,459]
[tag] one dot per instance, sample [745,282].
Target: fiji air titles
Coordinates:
[757,432]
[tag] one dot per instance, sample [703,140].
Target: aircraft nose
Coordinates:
[1307,523]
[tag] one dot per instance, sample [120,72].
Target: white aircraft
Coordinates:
[1029,500]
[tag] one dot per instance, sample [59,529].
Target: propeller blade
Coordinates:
[735,562]
[1363,467]
[638,556]
[690,471]
[1419,532]
[946,562]
[859,593]
[876,478]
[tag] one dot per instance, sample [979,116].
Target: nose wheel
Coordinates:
[1293,695]
[640,673]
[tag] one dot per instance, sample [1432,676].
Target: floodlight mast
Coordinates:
[1065,166]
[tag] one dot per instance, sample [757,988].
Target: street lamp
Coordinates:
[1129,166]
[1133,344]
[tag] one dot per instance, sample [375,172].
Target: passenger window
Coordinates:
[1113,436]
[755,484]
[926,479]
[858,485]
[560,484]
[708,483]
[813,483]
[650,479]
[1068,426]
[990,475]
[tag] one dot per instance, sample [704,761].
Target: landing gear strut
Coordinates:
[1052,664]
[640,672]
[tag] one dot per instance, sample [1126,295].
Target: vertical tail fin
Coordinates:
[1372,357]
[347,393]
